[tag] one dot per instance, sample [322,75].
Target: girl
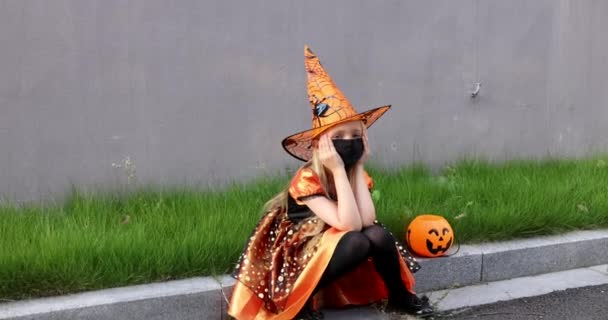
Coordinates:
[319,243]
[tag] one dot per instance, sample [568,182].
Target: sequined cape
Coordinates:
[286,255]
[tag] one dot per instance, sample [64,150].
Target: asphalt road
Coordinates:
[589,303]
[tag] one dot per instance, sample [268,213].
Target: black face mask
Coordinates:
[350,150]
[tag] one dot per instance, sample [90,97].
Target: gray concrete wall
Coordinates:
[201,92]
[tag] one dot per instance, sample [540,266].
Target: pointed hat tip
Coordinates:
[307,52]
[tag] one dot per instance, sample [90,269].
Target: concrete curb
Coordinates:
[495,261]
[197,297]
[179,299]
[517,288]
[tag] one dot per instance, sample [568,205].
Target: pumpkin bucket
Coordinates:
[430,235]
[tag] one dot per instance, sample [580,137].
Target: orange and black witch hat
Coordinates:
[329,108]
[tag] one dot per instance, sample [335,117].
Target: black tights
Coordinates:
[356,246]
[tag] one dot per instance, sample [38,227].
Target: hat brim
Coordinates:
[299,145]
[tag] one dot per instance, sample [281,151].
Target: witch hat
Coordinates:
[329,108]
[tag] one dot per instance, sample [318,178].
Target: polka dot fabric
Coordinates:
[279,250]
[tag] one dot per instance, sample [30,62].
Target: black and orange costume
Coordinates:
[290,249]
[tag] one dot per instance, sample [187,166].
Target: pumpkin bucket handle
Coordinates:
[453,253]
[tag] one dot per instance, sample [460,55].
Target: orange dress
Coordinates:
[285,257]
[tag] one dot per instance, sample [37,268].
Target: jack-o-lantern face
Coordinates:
[436,242]
[430,235]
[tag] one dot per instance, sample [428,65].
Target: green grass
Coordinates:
[487,202]
[152,234]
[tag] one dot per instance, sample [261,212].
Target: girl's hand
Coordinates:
[366,150]
[328,155]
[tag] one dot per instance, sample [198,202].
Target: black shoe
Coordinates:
[413,305]
[307,313]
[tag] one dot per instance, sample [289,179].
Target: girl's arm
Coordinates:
[344,213]
[362,195]
[364,198]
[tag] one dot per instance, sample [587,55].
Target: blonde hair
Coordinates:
[279,201]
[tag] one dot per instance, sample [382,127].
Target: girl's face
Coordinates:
[347,139]
[346,131]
